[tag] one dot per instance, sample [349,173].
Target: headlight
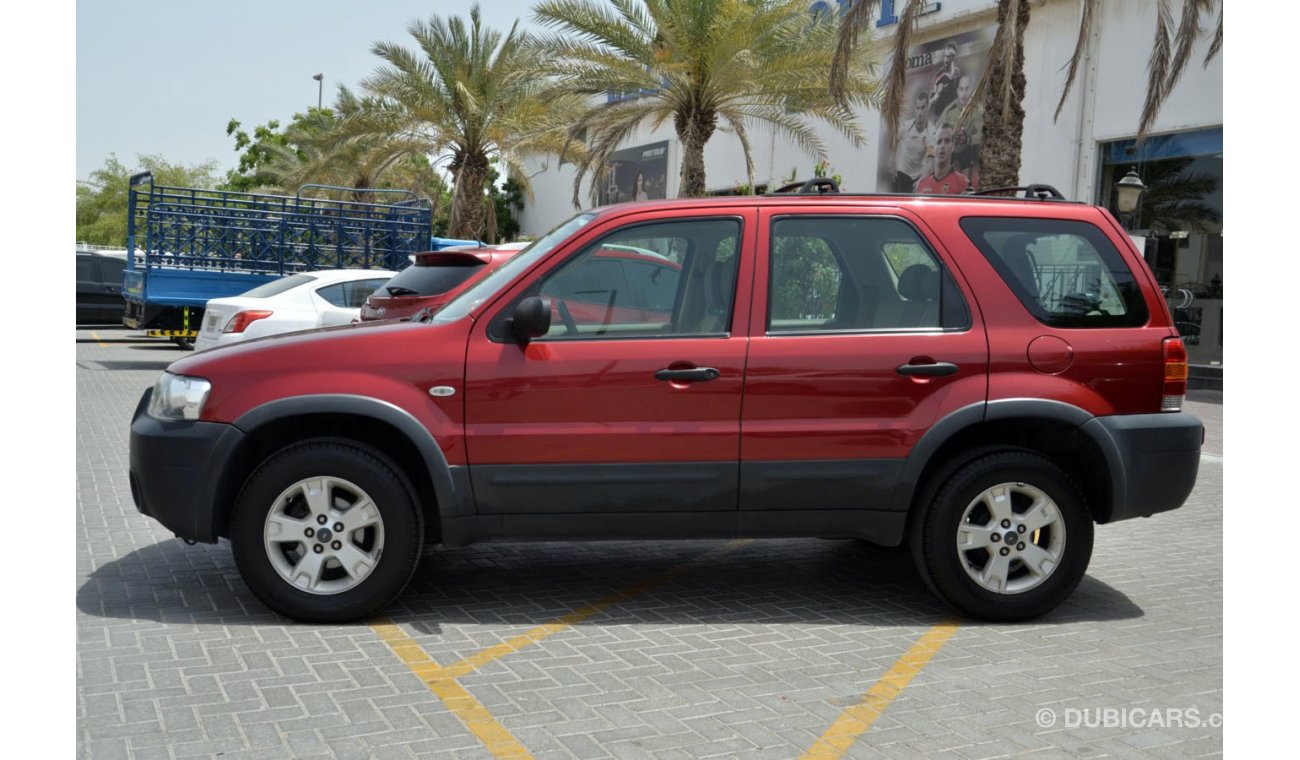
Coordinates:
[177,397]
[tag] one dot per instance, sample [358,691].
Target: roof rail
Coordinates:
[1036,192]
[816,185]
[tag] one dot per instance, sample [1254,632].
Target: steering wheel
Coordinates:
[570,327]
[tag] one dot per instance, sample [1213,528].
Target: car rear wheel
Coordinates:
[326,531]
[1008,536]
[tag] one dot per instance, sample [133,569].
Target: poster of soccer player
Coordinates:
[937,151]
[635,174]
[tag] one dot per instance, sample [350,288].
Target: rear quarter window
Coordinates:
[1066,273]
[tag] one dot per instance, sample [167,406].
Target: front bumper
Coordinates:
[1153,459]
[176,469]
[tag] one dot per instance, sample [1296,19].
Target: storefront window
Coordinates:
[1180,220]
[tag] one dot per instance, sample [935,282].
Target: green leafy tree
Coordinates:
[469,96]
[102,200]
[703,64]
[1001,89]
[254,153]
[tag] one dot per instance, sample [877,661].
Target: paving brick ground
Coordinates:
[752,652]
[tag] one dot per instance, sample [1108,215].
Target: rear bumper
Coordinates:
[176,471]
[1154,459]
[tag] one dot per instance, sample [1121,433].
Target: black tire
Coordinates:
[935,535]
[395,555]
[184,344]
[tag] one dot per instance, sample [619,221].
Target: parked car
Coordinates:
[434,278]
[302,301]
[982,379]
[99,287]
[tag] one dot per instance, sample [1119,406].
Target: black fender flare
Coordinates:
[1004,409]
[364,406]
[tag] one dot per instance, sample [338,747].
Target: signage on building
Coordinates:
[634,174]
[937,150]
[887,14]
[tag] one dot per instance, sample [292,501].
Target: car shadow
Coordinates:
[709,582]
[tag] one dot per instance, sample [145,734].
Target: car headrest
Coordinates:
[919,283]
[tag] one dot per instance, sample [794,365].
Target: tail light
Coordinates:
[1175,387]
[243,319]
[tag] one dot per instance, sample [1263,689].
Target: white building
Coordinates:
[1082,153]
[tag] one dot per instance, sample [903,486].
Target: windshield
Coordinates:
[488,286]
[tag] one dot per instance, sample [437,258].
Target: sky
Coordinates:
[165,77]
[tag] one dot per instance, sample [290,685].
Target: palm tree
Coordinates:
[320,148]
[697,62]
[1002,88]
[469,96]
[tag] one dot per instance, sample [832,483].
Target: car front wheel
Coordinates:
[326,531]
[1008,536]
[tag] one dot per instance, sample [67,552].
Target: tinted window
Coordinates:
[86,269]
[431,279]
[593,297]
[838,274]
[598,281]
[110,270]
[1066,273]
[276,287]
[350,295]
[653,284]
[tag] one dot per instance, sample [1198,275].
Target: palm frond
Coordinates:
[896,81]
[738,124]
[1080,46]
[1217,43]
[1189,29]
[1157,68]
[853,20]
[1007,55]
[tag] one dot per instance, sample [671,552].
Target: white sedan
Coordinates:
[298,302]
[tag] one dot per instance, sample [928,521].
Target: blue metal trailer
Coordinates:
[189,245]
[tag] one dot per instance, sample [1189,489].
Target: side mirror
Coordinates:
[532,319]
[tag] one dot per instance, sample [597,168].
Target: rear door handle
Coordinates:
[931,369]
[695,374]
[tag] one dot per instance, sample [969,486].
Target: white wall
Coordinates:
[1105,103]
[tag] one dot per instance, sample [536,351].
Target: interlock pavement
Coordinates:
[694,649]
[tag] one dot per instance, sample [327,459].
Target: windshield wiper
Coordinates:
[398,290]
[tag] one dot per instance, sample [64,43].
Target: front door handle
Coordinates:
[929,369]
[695,374]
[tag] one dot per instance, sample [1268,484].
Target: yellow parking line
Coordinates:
[442,681]
[546,630]
[98,339]
[855,721]
[499,741]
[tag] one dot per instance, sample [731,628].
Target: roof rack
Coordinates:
[816,185]
[1036,192]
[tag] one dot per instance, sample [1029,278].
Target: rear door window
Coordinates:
[857,274]
[86,269]
[110,270]
[1066,273]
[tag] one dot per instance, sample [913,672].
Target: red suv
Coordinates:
[434,278]
[982,378]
